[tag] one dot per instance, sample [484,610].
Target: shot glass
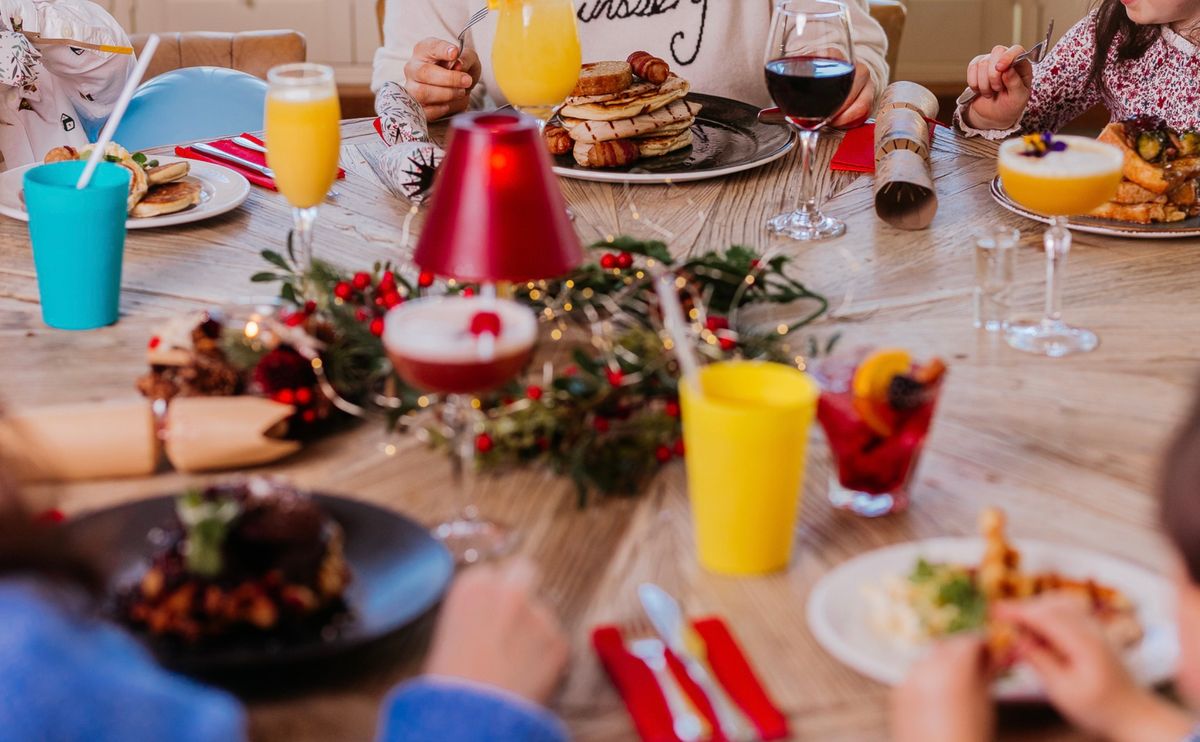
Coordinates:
[78,242]
[995,265]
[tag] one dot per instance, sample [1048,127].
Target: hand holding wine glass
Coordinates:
[810,73]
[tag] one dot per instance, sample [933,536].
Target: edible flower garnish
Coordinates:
[1040,145]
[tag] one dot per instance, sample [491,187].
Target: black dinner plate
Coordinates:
[399,572]
[1111,227]
[726,138]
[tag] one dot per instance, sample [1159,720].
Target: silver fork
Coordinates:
[688,725]
[1034,54]
[462,36]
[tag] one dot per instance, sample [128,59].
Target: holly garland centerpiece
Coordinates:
[603,407]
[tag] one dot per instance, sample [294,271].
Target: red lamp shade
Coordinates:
[497,212]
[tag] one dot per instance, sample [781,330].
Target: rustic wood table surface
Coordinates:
[1068,447]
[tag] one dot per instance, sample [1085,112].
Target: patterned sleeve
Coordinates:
[1061,89]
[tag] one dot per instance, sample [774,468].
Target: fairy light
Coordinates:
[782,329]
[800,364]
[693,313]
[680,282]
[609,238]
[252,329]
[389,449]
[651,262]
[548,313]
[570,283]
[668,344]
[475,403]
[568,307]
[588,293]
[534,294]
[640,274]
[529,285]
[749,280]
[451,283]
[556,334]
[317,364]
[422,401]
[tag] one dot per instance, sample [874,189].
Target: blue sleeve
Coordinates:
[429,710]
[67,677]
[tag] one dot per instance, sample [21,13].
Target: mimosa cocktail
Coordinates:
[536,55]
[303,141]
[1059,177]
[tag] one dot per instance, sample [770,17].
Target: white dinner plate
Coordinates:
[221,190]
[839,613]
[1110,227]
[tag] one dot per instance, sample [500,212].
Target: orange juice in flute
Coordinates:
[303,141]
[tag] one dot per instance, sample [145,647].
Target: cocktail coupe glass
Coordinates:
[1058,177]
[810,74]
[535,54]
[303,138]
[460,347]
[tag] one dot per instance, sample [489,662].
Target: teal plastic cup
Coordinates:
[78,242]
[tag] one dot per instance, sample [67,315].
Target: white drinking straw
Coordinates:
[668,298]
[110,127]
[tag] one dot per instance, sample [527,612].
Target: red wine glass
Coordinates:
[810,74]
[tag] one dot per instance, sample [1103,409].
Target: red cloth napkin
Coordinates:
[227,145]
[857,151]
[648,706]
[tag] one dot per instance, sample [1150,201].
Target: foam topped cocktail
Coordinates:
[876,410]
[1059,177]
[460,346]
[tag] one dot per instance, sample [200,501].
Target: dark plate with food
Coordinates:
[256,574]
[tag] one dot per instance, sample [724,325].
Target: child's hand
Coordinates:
[1003,88]
[439,79]
[946,696]
[1083,676]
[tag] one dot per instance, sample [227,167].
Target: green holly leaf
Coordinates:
[275,258]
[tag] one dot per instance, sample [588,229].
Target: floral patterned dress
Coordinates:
[53,95]
[1163,82]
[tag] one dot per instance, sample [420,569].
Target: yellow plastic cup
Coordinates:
[746,442]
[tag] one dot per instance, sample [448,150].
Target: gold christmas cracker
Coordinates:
[904,194]
[209,433]
[84,441]
[901,128]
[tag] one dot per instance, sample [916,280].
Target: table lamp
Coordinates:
[497,213]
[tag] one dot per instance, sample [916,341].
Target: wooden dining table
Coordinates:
[1069,448]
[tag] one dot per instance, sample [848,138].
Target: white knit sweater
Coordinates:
[718,45]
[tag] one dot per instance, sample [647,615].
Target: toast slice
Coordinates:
[1132,193]
[603,78]
[1148,213]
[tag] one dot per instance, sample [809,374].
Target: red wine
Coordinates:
[809,90]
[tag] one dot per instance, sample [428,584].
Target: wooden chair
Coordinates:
[891,14]
[252,52]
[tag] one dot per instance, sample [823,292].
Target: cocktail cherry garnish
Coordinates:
[485,326]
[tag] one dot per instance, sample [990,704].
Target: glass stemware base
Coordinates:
[806,226]
[1053,338]
[471,539]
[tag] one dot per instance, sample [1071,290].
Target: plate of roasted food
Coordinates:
[255,573]
[163,191]
[1159,195]
[636,121]
[880,611]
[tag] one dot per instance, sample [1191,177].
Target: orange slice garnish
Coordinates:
[871,382]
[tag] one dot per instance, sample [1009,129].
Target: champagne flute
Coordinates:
[810,73]
[303,138]
[536,55]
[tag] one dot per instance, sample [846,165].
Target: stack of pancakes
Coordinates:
[614,118]
[1164,189]
[154,190]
